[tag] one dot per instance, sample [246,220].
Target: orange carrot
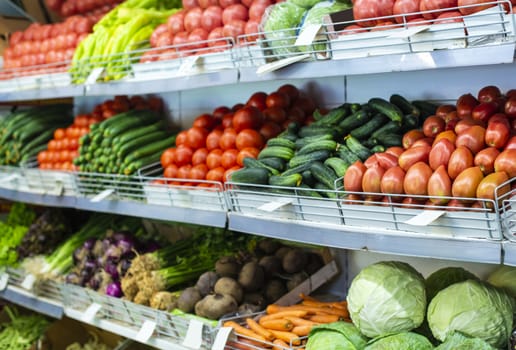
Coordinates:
[273,308]
[288,337]
[320,318]
[259,329]
[280,324]
[302,331]
[288,313]
[243,331]
[336,305]
[298,321]
[281,345]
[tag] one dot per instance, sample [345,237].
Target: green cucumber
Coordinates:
[307,191]
[142,141]
[333,117]
[292,180]
[43,138]
[276,151]
[324,174]
[389,128]
[114,120]
[297,169]
[257,176]
[363,132]
[390,140]
[404,105]
[426,108]
[139,132]
[254,163]
[316,130]
[328,192]
[355,120]
[309,157]
[357,148]
[308,178]
[388,109]
[307,140]
[324,145]
[410,121]
[150,149]
[139,163]
[378,149]
[130,123]
[338,165]
[274,162]
[281,142]
[346,155]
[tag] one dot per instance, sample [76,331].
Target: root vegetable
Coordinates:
[281,252]
[274,290]
[227,285]
[206,282]
[165,301]
[271,265]
[294,261]
[227,266]
[314,264]
[214,306]
[246,309]
[188,298]
[269,246]
[251,276]
[255,299]
[295,280]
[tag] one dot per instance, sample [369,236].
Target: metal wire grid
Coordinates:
[334,41]
[119,186]
[12,178]
[48,181]
[385,212]
[508,209]
[202,194]
[35,77]
[49,289]
[168,327]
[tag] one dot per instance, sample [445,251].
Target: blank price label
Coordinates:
[28,282]
[146,331]
[4,280]
[102,195]
[222,338]
[94,76]
[193,338]
[91,312]
[273,206]
[425,218]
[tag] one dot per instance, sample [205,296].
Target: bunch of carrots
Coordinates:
[284,326]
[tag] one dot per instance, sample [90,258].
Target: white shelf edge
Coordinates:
[370,239]
[33,302]
[509,253]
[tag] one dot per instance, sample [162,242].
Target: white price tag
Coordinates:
[4,280]
[146,331]
[273,206]
[103,195]
[271,67]
[59,189]
[94,75]
[409,31]
[222,338]
[308,34]
[425,218]
[193,338]
[91,312]
[28,282]
[188,64]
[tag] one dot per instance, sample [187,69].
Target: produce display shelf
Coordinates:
[509,253]
[26,299]
[38,198]
[371,239]
[43,93]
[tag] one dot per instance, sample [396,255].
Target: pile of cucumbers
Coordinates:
[124,143]
[317,156]
[25,133]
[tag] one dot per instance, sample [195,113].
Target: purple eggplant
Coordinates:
[114,289]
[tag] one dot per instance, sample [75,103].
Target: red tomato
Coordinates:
[278,99]
[296,114]
[197,38]
[257,100]
[193,19]
[248,138]
[460,159]
[487,188]
[189,4]
[484,111]
[440,153]
[497,132]
[59,134]
[306,104]
[386,160]
[220,112]
[366,9]
[235,12]
[465,124]
[227,120]
[510,106]
[290,90]
[488,93]
[433,125]
[466,183]
[371,180]
[198,172]
[443,110]
[275,114]
[416,179]
[395,151]
[353,177]
[199,156]
[511,144]
[485,159]
[465,105]
[229,158]
[410,137]
[214,36]
[270,130]
[413,155]
[226,3]
[258,8]
[448,134]
[181,138]
[204,4]
[247,117]
[196,137]
[234,28]
[392,181]
[183,155]
[175,22]
[212,18]
[184,171]
[506,162]
[214,158]
[247,152]
[473,138]
[216,174]
[170,171]
[372,161]
[439,185]
[430,5]
[228,139]
[404,7]
[213,139]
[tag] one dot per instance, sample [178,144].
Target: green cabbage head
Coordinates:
[336,336]
[387,297]
[445,277]
[401,341]
[458,341]
[504,277]
[473,308]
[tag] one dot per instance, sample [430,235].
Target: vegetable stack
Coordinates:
[12,232]
[316,155]
[25,133]
[125,29]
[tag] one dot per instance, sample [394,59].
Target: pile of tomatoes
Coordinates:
[46,44]
[94,9]
[463,153]
[217,143]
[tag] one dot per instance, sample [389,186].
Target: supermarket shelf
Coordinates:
[40,199]
[509,253]
[373,240]
[132,87]
[43,93]
[30,301]
[160,212]
[439,59]
[124,331]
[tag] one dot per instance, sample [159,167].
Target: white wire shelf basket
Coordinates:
[46,288]
[53,182]
[386,212]
[42,76]
[508,208]
[166,326]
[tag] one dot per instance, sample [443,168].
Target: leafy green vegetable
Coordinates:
[21,332]
[387,297]
[280,27]
[400,341]
[336,336]
[10,238]
[458,341]
[306,3]
[504,277]
[21,215]
[473,308]
[445,277]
